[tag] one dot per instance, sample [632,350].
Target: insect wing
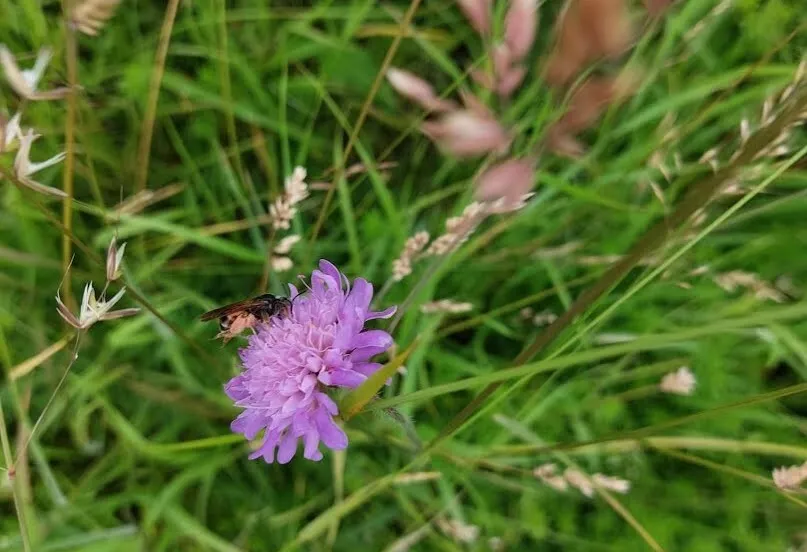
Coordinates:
[231,309]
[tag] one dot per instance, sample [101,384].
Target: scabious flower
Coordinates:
[292,361]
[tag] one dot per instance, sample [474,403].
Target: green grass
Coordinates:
[134,450]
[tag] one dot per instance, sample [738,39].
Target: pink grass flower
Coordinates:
[418,90]
[511,81]
[520,25]
[466,134]
[478,14]
[291,362]
[502,58]
[510,179]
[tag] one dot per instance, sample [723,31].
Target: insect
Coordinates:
[237,317]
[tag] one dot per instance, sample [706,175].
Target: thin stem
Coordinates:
[748,476]
[71,58]
[227,96]
[666,443]
[433,267]
[629,395]
[147,129]
[267,264]
[73,357]
[18,505]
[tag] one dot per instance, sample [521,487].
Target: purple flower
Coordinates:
[291,362]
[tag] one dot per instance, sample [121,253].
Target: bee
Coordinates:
[237,317]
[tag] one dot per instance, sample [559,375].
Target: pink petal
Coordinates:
[373,338]
[327,403]
[342,378]
[328,268]
[511,180]
[478,14]
[361,295]
[267,449]
[520,24]
[330,433]
[311,446]
[367,368]
[386,313]
[287,448]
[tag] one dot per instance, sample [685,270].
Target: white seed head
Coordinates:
[24,167]
[579,481]
[285,245]
[680,382]
[283,209]
[458,530]
[25,81]
[281,264]
[790,478]
[92,309]
[90,16]
[446,306]
[114,260]
[616,484]
[402,266]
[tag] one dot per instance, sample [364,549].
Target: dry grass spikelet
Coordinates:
[402,266]
[790,478]
[90,16]
[446,306]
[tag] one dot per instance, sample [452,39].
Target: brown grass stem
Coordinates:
[71,60]
[621,446]
[19,506]
[147,128]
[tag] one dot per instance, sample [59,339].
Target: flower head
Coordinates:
[418,90]
[284,208]
[478,14]
[520,25]
[90,16]
[290,363]
[25,81]
[24,167]
[93,309]
[466,133]
[510,179]
[114,260]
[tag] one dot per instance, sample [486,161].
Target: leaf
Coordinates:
[356,399]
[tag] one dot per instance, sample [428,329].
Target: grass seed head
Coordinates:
[680,382]
[90,16]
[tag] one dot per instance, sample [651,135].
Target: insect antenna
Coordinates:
[302,279]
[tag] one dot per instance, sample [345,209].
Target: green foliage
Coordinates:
[135,453]
[767,23]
